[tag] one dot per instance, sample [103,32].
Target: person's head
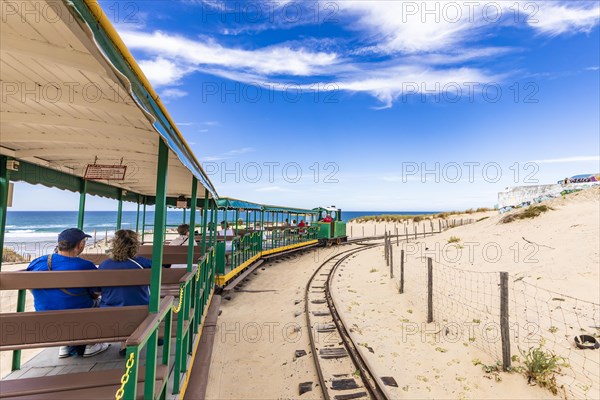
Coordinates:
[72,241]
[223,224]
[183,229]
[125,245]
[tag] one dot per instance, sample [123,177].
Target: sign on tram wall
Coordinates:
[105,172]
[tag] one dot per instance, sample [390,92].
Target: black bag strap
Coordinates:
[63,290]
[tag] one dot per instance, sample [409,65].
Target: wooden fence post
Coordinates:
[429,290]
[401,271]
[504,328]
[415,232]
[363,229]
[391,251]
[385,248]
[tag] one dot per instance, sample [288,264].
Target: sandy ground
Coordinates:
[423,363]
[557,251]
[253,355]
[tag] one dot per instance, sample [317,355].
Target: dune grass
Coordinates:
[9,255]
[418,217]
[529,212]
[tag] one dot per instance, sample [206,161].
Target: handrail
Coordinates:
[146,328]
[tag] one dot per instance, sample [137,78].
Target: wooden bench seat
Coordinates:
[79,385]
[29,330]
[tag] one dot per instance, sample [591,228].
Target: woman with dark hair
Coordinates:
[124,247]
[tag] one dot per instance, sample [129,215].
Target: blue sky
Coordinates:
[372,95]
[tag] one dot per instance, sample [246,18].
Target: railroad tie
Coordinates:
[325,328]
[319,301]
[321,313]
[337,352]
[350,396]
[344,384]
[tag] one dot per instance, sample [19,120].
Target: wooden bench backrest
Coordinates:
[72,279]
[146,250]
[171,254]
[28,329]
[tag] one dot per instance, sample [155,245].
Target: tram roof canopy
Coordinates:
[73,96]
[288,210]
[230,203]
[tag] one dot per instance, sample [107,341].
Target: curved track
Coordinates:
[342,371]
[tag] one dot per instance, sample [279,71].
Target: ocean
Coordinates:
[35,232]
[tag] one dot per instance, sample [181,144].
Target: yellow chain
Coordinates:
[178,308]
[125,377]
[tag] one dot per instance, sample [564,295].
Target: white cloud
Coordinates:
[555,18]
[267,60]
[162,72]
[427,44]
[568,160]
[237,152]
[173,93]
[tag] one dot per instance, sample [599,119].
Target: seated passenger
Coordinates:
[124,247]
[301,225]
[327,218]
[71,243]
[226,231]
[184,235]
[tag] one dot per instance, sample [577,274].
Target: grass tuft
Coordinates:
[9,255]
[529,212]
[541,367]
[453,239]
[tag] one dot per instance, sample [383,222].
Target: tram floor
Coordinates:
[47,363]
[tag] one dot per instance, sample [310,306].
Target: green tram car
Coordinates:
[333,232]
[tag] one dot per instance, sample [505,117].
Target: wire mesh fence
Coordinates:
[519,325]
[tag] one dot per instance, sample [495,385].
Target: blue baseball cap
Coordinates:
[72,235]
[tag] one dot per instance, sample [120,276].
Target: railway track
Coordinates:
[342,371]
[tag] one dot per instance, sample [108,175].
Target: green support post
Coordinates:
[191,240]
[184,210]
[263,230]
[82,195]
[120,209]
[137,215]
[16,356]
[237,218]
[157,256]
[144,220]
[159,225]
[204,220]
[132,382]
[214,234]
[4,187]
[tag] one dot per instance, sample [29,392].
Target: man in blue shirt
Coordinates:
[71,243]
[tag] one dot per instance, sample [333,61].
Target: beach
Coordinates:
[454,356]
